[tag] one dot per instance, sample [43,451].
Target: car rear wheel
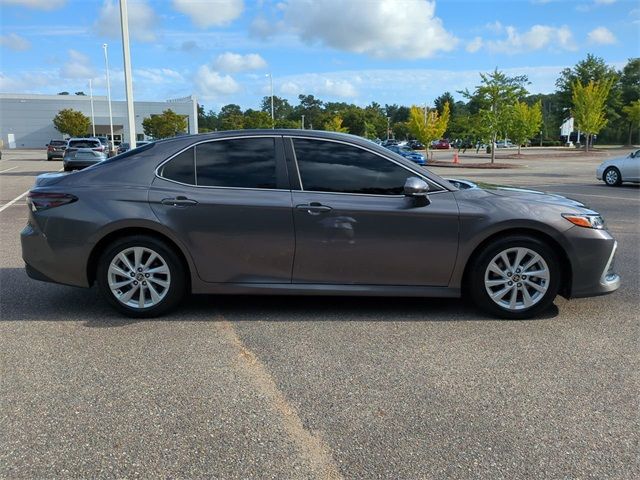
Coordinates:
[141,276]
[515,278]
[612,177]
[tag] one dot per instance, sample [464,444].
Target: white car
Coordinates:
[622,169]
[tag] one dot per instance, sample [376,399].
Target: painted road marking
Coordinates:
[8,169]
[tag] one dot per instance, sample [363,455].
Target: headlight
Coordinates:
[585,220]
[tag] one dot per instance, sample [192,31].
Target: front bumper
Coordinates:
[592,256]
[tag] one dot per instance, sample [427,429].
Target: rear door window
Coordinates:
[239,163]
[180,168]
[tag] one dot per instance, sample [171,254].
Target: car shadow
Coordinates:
[24,299]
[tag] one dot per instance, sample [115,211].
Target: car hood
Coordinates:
[520,193]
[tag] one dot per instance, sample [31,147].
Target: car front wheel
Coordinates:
[612,177]
[141,276]
[515,278]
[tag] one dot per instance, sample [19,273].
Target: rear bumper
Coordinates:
[81,163]
[58,263]
[59,155]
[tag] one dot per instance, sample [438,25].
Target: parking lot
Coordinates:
[312,387]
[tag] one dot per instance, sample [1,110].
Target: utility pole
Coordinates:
[273,118]
[126,55]
[302,122]
[93,119]
[388,126]
[106,63]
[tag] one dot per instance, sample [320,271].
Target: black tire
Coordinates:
[67,169]
[178,276]
[477,289]
[612,177]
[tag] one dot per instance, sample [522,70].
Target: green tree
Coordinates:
[282,109]
[231,117]
[257,119]
[312,109]
[428,126]
[169,124]
[334,124]
[524,122]
[494,97]
[72,122]
[595,69]
[632,112]
[589,102]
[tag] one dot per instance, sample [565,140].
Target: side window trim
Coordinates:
[280,161]
[297,168]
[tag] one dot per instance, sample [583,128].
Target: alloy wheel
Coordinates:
[139,277]
[611,177]
[517,278]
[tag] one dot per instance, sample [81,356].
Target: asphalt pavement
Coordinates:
[312,387]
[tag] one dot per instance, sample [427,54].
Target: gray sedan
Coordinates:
[304,212]
[622,169]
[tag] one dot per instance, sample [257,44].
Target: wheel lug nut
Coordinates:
[518,270]
[135,283]
[519,284]
[147,275]
[144,283]
[139,269]
[508,274]
[132,274]
[510,283]
[524,277]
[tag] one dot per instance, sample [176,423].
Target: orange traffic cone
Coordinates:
[455,157]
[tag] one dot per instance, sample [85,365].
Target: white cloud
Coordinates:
[601,36]
[142,20]
[78,66]
[234,62]
[15,42]
[381,28]
[157,76]
[210,13]
[211,84]
[290,88]
[338,88]
[474,45]
[37,4]
[536,38]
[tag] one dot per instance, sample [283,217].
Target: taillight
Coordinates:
[38,201]
[49,148]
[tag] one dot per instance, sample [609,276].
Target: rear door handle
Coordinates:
[314,208]
[178,202]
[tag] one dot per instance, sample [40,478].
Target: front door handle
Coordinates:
[178,202]
[314,208]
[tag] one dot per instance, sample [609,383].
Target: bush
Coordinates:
[551,143]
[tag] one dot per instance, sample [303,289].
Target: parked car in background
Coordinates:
[125,147]
[305,212]
[104,141]
[407,153]
[621,169]
[441,144]
[505,144]
[415,145]
[56,148]
[389,141]
[83,152]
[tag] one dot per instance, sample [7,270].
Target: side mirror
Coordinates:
[416,187]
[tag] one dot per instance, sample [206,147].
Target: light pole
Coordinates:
[106,63]
[273,118]
[302,123]
[93,119]
[388,126]
[126,55]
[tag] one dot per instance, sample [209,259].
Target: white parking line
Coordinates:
[13,201]
[8,169]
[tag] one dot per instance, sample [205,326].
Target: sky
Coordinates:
[357,51]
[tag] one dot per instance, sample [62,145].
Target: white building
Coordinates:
[26,121]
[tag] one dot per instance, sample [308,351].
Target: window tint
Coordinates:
[84,144]
[57,143]
[246,162]
[179,169]
[335,167]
